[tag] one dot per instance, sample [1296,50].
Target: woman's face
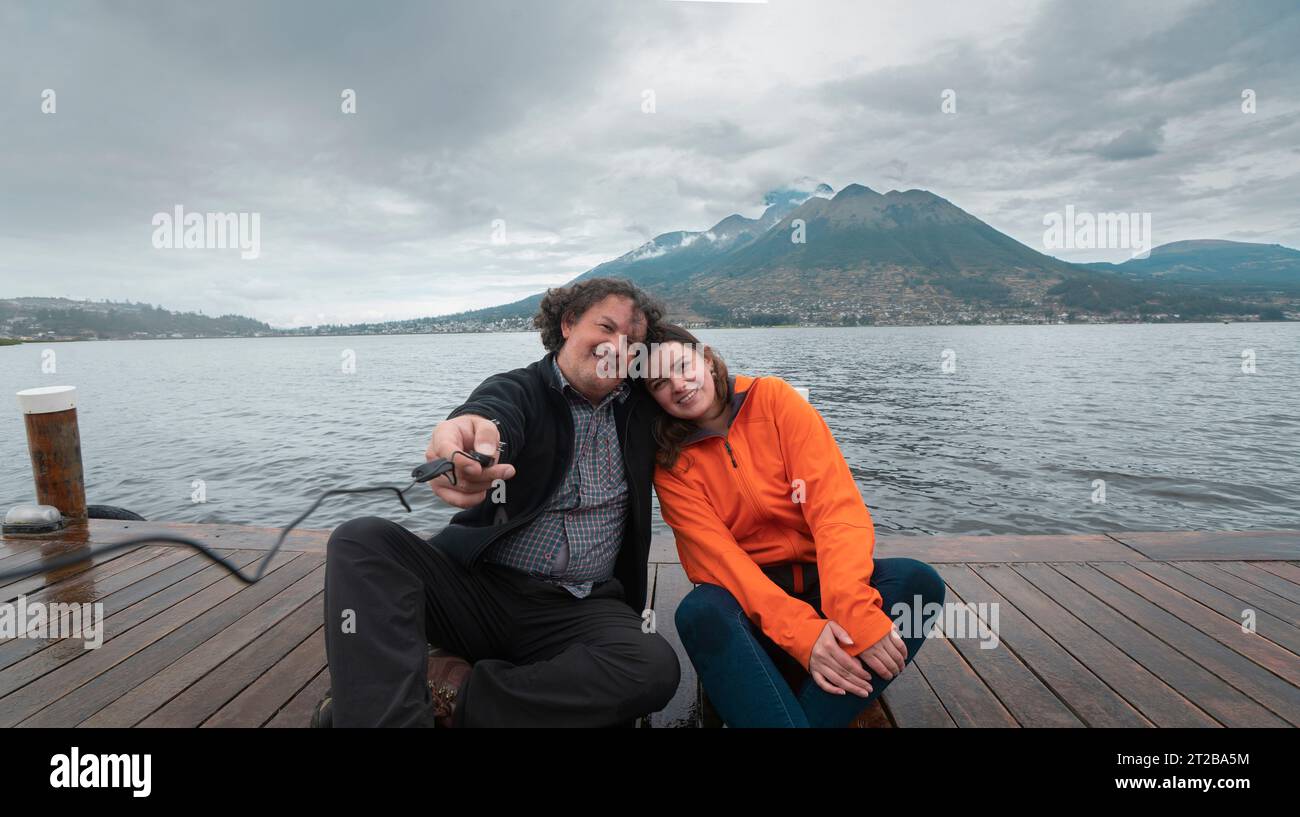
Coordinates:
[682,383]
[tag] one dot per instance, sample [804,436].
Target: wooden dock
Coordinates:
[1120,629]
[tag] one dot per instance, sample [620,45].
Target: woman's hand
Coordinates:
[885,658]
[835,670]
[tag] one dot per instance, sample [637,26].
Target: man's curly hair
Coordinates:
[570,302]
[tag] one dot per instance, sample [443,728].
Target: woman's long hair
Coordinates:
[670,431]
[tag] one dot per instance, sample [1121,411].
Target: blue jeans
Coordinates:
[737,663]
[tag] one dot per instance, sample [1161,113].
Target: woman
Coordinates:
[771,526]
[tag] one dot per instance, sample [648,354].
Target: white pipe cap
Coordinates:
[47,399]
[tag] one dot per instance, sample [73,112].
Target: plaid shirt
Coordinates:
[574,541]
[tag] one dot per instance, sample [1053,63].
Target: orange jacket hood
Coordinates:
[775,488]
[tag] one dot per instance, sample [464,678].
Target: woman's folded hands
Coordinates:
[838,672]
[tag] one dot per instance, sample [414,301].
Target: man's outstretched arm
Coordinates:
[492,415]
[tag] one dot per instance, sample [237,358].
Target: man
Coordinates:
[540,582]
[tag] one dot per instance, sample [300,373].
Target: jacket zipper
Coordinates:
[754,503]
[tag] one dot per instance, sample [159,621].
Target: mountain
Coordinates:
[671,257]
[865,257]
[820,257]
[66,319]
[879,255]
[1216,266]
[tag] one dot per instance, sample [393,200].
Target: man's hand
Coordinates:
[885,658]
[835,670]
[467,432]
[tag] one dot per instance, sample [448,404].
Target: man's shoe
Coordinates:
[323,716]
[447,677]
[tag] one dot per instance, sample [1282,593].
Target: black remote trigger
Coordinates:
[438,467]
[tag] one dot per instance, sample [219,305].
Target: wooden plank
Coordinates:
[218,685]
[1287,570]
[1206,690]
[1226,631]
[873,717]
[663,549]
[1279,631]
[967,699]
[1146,691]
[81,688]
[30,585]
[1273,583]
[1074,683]
[90,586]
[13,544]
[643,722]
[1029,700]
[1184,627]
[157,594]
[35,550]
[209,640]
[1253,595]
[671,586]
[1274,545]
[273,690]
[1004,548]
[111,592]
[214,535]
[297,713]
[911,703]
[651,571]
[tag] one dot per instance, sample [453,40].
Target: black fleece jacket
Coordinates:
[537,432]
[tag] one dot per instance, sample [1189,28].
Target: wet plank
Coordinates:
[131,659]
[31,584]
[28,659]
[171,665]
[242,537]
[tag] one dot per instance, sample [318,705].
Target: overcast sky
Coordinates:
[532,112]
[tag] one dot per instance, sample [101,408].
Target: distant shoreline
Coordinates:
[17,342]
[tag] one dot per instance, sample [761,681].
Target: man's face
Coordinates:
[613,321]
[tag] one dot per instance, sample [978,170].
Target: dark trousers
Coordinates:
[541,656]
[744,672]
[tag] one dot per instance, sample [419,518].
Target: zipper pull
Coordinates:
[729,454]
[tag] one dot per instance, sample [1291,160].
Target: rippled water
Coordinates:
[1010,442]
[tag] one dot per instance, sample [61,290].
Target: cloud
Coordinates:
[531,114]
[1134,143]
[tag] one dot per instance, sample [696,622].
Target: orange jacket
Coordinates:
[731,503]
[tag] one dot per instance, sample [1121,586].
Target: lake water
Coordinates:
[1011,441]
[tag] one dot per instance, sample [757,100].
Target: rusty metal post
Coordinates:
[54,443]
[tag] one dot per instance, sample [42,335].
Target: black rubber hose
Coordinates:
[81,556]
